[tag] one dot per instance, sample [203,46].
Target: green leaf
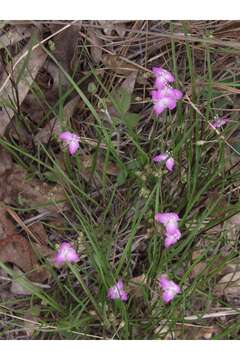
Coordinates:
[131,120]
[122,99]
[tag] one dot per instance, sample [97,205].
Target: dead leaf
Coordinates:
[232,228]
[109,26]
[229,287]
[129,83]
[96,46]
[36,60]
[39,231]
[32,192]
[14,35]
[118,65]
[65,47]
[87,162]
[200,266]
[15,249]
[16,287]
[163,332]
[187,331]
[136,285]
[54,126]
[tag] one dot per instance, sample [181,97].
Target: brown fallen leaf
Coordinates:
[109,26]
[229,287]
[118,65]
[136,284]
[200,266]
[14,35]
[15,249]
[16,287]
[129,83]
[96,45]
[87,162]
[65,47]
[32,192]
[35,62]
[195,332]
[232,228]
[54,126]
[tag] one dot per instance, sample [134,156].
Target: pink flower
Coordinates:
[65,253]
[117,292]
[172,238]
[220,121]
[170,288]
[163,77]
[165,157]
[162,103]
[169,220]
[171,92]
[72,140]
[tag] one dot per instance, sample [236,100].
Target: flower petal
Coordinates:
[66,136]
[171,239]
[170,103]
[73,147]
[160,157]
[164,218]
[170,164]
[177,94]
[158,108]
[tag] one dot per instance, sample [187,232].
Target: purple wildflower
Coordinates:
[220,121]
[117,292]
[165,157]
[171,92]
[163,77]
[172,238]
[65,253]
[169,220]
[162,103]
[72,140]
[169,287]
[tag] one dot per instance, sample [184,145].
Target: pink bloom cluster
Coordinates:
[169,161]
[72,141]
[117,292]
[170,221]
[164,96]
[66,253]
[219,121]
[169,287]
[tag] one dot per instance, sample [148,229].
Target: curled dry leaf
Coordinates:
[229,287]
[14,184]
[15,249]
[65,47]
[109,26]
[118,64]
[36,60]
[14,35]
[96,45]
[129,83]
